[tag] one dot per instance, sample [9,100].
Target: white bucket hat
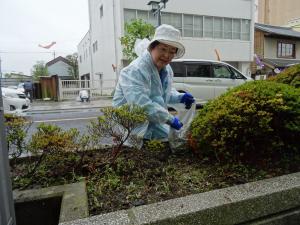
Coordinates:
[169,35]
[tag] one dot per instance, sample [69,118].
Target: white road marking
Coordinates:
[67,119]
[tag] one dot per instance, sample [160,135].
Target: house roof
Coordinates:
[280,62]
[57,59]
[277,30]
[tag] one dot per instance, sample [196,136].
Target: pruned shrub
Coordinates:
[50,144]
[289,76]
[120,124]
[259,120]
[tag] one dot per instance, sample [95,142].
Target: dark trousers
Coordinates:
[28,94]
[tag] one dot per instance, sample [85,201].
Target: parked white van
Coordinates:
[205,79]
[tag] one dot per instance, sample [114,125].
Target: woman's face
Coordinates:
[162,55]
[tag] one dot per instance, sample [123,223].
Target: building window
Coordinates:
[95,46]
[152,19]
[173,19]
[80,59]
[129,15]
[218,27]
[286,50]
[208,26]
[246,30]
[197,25]
[227,28]
[188,25]
[236,29]
[143,15]
[101,11]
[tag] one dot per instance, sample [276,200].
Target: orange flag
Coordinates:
[48,46]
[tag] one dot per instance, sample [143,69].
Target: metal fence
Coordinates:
[69,89]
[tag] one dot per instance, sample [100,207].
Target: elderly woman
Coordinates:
[147,82]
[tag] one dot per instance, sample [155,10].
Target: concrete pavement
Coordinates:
[39,105]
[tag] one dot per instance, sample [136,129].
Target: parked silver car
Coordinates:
[205,79]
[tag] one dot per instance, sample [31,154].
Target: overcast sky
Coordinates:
[24,24]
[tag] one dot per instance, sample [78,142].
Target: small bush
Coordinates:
[289,76]
[50,143]
[16,130]
[256,121]
[118,123]
[154,146]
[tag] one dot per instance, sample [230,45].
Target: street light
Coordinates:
[156,8]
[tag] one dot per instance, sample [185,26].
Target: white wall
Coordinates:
[103,30]
[228,50]
[83,53]
[59,68]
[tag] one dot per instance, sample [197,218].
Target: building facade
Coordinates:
[59,66]
[278,12]
[206,26]
[84,57]
[276,47]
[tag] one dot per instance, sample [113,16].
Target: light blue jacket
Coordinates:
[141,84]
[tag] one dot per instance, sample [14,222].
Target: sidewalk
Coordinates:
[39,105]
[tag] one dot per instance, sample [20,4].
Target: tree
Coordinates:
[73,70]
[136,29]
[39,69]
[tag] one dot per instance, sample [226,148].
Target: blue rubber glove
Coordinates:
[176,124]
[188,100]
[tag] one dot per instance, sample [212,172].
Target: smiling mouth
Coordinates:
[164,61]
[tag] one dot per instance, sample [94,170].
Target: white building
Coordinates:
[223,25]
[84,57]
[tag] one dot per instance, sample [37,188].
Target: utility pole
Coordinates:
[7,212]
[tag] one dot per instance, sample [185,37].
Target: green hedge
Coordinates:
[257,120]
[289,76]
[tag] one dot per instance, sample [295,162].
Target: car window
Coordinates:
[198,70]
[221,71]
[178,69]
[237,74]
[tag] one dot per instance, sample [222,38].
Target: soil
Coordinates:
[139,177]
